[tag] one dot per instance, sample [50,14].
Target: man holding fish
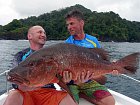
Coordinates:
[97,94]
[48,95]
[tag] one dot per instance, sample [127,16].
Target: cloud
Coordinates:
[37,7]
[6,13]
[133,13]
[127,9]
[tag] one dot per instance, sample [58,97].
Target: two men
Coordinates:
[97,93]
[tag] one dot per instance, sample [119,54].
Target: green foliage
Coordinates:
[13,25]
[106,26]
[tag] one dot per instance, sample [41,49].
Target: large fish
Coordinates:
[46,65]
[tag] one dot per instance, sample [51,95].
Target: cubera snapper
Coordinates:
[46,65]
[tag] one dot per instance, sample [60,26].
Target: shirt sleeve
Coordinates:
[97,42]
[17,58]
[69,40]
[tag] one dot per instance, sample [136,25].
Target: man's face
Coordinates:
[38,35]
[74,26]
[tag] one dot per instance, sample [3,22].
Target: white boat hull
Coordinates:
[119,98]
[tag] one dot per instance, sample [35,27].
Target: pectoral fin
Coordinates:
[64,86]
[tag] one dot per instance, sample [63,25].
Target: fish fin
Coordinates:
[129,63]
[55,80]
[100,79]
[104,55]
[64,86]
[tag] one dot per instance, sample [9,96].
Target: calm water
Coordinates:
[120,83]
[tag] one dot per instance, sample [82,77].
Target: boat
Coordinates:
[119,98]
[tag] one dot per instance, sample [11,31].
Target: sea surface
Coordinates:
[116,51]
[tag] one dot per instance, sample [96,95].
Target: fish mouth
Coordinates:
[16,78]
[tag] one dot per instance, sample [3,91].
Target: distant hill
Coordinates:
[106,26]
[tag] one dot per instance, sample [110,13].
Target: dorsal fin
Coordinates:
[102,53]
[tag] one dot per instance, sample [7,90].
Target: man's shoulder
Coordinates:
[93,40]
[22,51]
[18,56]
[69,39]
[90,36]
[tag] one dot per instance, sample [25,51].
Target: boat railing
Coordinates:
[131,78]
[5,73]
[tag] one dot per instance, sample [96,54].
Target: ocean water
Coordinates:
[116,51]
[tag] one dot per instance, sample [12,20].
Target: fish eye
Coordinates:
[31,64]
[98,55]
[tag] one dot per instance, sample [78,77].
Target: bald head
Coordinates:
[31,29]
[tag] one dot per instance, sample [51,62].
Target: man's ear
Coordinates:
[29,36]
[82,22]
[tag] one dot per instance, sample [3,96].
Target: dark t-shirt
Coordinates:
[22,55]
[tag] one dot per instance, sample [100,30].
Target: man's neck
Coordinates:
[36,47]
[79,36]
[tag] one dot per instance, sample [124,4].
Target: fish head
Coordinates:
[34,72]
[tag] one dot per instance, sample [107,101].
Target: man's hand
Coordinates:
[67,76]
[115,72]
[83,77]
[80,78]
[26,88]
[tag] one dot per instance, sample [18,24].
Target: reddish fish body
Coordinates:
[41,67]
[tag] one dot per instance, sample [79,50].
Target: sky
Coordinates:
[21,9]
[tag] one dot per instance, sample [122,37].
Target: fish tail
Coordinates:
[130,63]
